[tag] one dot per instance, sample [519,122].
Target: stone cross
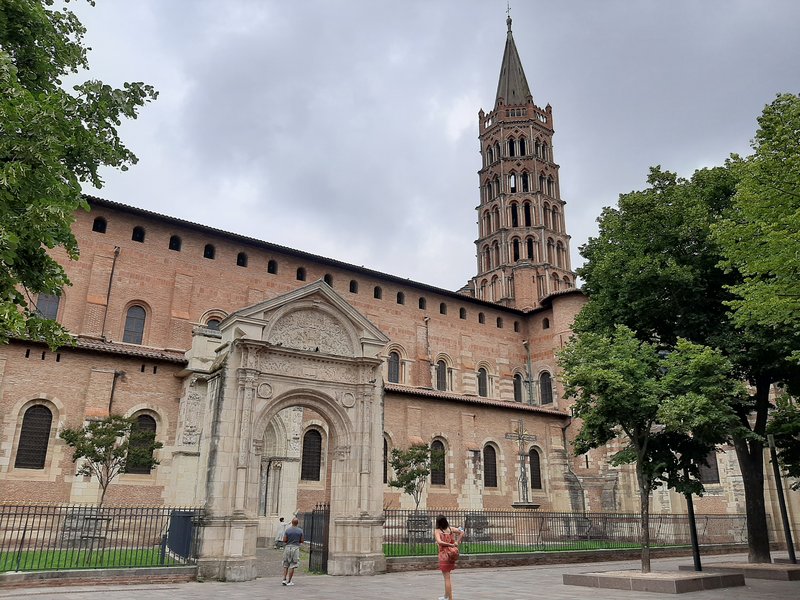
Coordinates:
[522,436]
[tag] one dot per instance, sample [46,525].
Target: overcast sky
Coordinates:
[349,128]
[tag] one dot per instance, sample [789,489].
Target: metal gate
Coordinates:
[315,529]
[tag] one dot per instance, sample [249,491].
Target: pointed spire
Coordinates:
[513,86]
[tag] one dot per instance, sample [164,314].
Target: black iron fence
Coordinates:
[315,526]
[410,533]
[58,537]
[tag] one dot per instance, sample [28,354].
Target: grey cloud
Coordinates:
[328,126]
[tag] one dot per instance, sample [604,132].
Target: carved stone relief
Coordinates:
[313,331]
[191,416]
[306,370]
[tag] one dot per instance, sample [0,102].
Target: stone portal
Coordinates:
[308,349]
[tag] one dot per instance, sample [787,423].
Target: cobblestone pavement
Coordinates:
[510,583]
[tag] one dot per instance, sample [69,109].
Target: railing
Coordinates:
[410,533]
[57,536]
[316,527]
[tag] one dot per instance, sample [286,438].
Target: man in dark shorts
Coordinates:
[291,553]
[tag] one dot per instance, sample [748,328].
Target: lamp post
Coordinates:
[787,530]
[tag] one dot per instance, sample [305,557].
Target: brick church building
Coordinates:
[276,378]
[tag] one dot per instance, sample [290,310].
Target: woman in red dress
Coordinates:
[448,540]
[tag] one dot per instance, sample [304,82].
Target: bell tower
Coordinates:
[522,245]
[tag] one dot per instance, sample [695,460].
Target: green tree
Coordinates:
[668,410]
[411,469]
[51,141]
[655,267]
[760,237]
[109,447]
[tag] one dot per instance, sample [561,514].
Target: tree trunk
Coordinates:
[644,523]
[751,463]
[750,454]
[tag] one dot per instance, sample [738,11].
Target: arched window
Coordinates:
[515,215]
[385,461]
[301,274]
[311,461]
[241,259]
[560,254]
[536,469]
[175,243]
[213,324]
[481,318]
[512,183]
[551,188]
[545,151]
[394,367]
[462,313]
[99,225]
[47,306]
[546,388]
[441,376]
[515,249]
[437,463]
[516,326]
[527,214]
[353,286]
[522,147]
[511,148]
[489,467]
[556,219]
[34,438]
[529,248]
[545,323]
[272,267]
[499,322]
[377,293]
[209,252]
[551,246]
[328,278]
[546,215]
[542,183]
[526,182]
[709,472]
[134,325]
[401,298]
[138,234]
[442,308]
[567,282]
[483,382]
[517,387]
[143,433]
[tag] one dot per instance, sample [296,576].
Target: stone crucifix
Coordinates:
[522,436]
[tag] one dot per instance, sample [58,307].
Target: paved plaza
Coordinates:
[510,583]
